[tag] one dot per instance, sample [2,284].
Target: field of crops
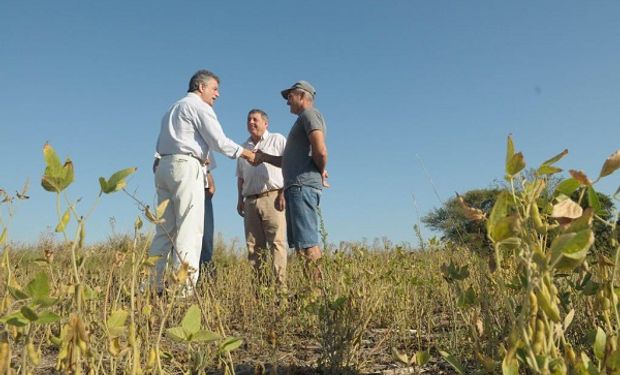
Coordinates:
[540,297]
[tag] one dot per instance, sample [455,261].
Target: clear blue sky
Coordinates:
[404,86]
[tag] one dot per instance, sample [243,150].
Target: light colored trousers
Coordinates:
[180,179]
[265,230]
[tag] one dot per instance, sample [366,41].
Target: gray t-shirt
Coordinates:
[298,168]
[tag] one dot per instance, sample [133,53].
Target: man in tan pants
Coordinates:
[260,199]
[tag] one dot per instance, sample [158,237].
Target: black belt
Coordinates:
[202,162]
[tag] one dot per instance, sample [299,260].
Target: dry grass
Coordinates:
[368,302]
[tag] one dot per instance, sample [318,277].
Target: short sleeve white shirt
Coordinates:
[264,177]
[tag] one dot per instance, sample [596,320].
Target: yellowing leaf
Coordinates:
[62,224]
[400,357]
[161,208]
[137,225]
[182,274]
[611,164]
[580,177]
[114,347]
[470,212]
[3,236]
[116,323]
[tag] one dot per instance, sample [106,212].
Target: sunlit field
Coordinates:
[537,295]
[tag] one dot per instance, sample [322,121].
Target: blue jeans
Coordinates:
[207,235]
[302,216]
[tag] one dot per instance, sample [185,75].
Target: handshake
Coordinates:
[257,157]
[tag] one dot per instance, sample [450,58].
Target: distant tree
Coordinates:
[450,221]
[455,227]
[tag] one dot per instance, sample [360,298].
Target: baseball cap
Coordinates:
[299,85]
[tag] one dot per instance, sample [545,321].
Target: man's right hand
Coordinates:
[259,157]
[240,208]
[248,155]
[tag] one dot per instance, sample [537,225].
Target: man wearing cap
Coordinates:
[303,168]
[260,200]
[189,130]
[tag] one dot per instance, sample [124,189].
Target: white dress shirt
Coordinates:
[264,177]
[191,127]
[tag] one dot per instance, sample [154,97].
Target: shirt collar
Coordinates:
[264,136]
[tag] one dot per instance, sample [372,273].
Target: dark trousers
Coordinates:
[207,236]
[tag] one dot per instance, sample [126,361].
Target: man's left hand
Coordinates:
[280,203]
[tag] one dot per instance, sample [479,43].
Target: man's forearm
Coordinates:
[271,159]
[320,161]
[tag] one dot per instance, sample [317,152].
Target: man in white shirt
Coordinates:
[189,131]
[260,199]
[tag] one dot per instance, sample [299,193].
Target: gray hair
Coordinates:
[262,113]
[201,76]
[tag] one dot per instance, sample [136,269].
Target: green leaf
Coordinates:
[82,236]
[556,158]
[510,366]
[567,187]
[594,201]
[547,170]
[599,343]
[504,229]
[56,177]
[516,164]
[151,261]
[422,357]
[117,181]
[569,250]
[453,362]
[467,298]
[16,319]
[230,344]
[192,320]
[62,224]
[88,293]
[29,314]
[337,303]
[46,317]
[510,150]
[498,213]
[17,294]
[178,334]
[103,184]
[45,301]
[205,336]
[38,287]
